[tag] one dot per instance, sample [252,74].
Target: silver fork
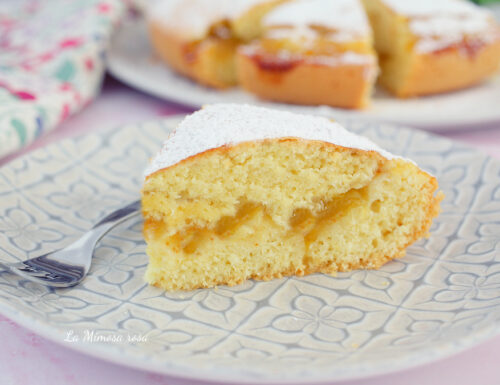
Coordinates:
[68,266]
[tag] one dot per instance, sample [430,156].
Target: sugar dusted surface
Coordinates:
[441,23]
[433,7]
[193,18]
[227,124]
[342,15]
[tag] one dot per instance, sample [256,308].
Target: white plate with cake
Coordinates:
[439,57]
[441,298]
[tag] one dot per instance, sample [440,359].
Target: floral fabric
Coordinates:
[52,60]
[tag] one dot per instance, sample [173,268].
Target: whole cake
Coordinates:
[241,192]
[432,46]
[322,51]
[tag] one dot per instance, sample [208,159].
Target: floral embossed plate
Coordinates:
[444,296]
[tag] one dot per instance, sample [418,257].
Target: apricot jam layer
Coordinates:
[304,223]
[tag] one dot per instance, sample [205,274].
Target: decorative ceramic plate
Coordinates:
[444,296]
[131,60]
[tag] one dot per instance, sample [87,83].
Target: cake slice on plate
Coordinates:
[432,46]
[241,192]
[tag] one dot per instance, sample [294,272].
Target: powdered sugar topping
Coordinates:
[193,18]
[441,23]
[342,16]
[416,8]
[228,124]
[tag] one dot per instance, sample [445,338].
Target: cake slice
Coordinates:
[241,192]
[198,38]
[312,52]
[432,46]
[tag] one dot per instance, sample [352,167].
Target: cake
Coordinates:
[241,192]
[321,52]
[311,52]
[433,46]
[302,51]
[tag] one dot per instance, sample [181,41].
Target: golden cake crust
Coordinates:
[454,67]
[302,82]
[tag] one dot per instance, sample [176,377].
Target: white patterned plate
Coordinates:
[442,297]
[131,60]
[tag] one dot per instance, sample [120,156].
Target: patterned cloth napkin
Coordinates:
[51,62]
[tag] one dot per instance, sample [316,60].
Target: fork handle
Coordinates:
[119,215]
[91,237]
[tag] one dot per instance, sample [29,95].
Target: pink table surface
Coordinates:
[27,359]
